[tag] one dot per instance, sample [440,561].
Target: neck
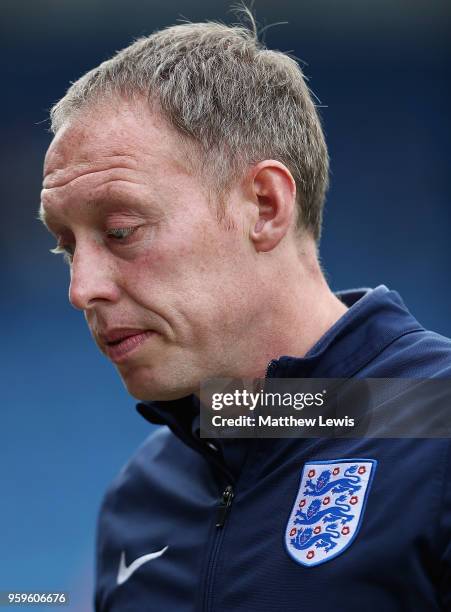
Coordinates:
[299,309]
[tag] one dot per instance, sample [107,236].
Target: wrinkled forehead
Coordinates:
[113,128]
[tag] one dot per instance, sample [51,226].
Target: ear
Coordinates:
[273,191]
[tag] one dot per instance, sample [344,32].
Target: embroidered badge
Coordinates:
[328,510]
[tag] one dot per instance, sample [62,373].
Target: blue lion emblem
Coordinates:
[347,483]
[305,538]
[328,515]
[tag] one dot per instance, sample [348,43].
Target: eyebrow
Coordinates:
[50,223]
[48,218]
[44,217]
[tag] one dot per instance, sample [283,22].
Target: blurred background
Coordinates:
[380,70]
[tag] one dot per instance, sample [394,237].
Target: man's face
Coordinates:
[166,290]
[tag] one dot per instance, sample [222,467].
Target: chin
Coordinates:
[146,388]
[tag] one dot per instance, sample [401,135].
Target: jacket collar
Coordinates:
[375,319]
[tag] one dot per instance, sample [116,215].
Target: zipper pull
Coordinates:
[224,505]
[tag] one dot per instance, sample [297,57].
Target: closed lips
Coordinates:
[119,335]
[118,344]
[124,337]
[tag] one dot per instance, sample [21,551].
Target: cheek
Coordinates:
[182,258]
[198,273]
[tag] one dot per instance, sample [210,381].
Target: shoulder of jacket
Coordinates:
[418,354]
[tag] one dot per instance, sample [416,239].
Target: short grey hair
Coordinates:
[222,89]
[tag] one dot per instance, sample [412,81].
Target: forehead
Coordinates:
[112,131]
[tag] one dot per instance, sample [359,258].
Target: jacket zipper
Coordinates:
[223,510]
[224,506]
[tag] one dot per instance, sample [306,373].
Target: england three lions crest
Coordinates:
[329,508]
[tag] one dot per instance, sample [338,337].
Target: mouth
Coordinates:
[118,344]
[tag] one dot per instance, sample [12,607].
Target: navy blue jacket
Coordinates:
[177,489]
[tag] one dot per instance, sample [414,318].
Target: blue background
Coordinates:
[381,70]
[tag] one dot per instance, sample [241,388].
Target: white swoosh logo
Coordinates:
[125,572]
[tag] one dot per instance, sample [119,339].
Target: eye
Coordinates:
[120,233]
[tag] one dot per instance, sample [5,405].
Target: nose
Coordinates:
[92,278]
